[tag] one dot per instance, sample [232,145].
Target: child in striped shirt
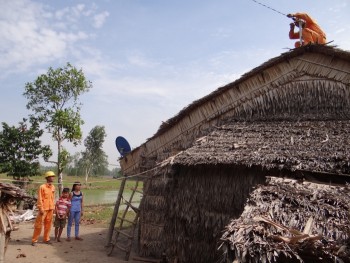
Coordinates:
[62,210]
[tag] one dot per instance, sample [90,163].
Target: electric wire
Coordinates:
[269,8]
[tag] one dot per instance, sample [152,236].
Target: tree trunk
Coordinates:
[59,172]
[86,175]
[21,202]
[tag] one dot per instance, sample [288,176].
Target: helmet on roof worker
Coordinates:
[49,174]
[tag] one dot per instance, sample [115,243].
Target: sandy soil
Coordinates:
[90,250]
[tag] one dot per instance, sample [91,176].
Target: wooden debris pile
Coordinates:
[11,191]
[9,194]
[291,221]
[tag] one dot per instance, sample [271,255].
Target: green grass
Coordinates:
[101,215]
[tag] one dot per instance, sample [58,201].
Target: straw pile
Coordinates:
[291,221]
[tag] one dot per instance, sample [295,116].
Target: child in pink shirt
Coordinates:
[62,210]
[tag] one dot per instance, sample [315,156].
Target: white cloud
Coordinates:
[32,34]
[139,60]
[99,19]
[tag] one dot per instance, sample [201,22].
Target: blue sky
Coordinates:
[146,59]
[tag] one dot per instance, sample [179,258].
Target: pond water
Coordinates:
[102,196]
[99,196]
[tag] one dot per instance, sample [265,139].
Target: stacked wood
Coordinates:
[9,194]
[291,221]
[9,191]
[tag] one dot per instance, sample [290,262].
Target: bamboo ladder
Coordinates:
[117,236]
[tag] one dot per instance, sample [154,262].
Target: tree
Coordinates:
[20,149]
[73,168]
[94,158]
[54,100]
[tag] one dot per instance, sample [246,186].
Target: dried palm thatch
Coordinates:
[316,146]
[185,209]
[291,221]
[312,82]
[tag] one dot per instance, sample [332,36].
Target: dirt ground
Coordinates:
[90,250]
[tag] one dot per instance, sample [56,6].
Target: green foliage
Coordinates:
[20,149]
[63,157]
[94,158]
[116,173]
[53,98]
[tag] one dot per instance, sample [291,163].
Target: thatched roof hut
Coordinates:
[311,82]
[287,118]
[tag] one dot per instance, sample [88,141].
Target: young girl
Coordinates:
[76,210]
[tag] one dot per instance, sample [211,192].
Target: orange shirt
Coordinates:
[310,23]
[308,36]
[46,197]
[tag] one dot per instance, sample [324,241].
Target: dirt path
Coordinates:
[90,250]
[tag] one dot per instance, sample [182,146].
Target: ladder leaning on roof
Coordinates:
[122,237]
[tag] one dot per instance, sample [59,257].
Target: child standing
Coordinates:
[62,210]
[76,210]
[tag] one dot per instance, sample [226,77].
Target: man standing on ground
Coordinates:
[46,206]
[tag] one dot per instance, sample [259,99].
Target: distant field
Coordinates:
[103,182]
[94,186]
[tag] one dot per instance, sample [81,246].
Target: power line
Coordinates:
[269,7]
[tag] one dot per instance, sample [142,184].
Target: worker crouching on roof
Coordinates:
[313,32]
[307,35]
[46,206]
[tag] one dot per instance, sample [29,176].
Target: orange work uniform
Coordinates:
[318,34]
[46,205]
[308,37]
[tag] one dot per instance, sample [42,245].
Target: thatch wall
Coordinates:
[307,83]
[154,209]
[185,209]
[291,221]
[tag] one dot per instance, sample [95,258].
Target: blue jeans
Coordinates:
[76,216]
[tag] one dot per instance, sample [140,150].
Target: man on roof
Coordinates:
[313,32]
[308,36]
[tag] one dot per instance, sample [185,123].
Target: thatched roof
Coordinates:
[290,221]
[318,146]
[311,82]
[285,57]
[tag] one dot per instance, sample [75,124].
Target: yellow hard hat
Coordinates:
[49,174]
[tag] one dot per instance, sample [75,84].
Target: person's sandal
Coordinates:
[68,239]
[79,238]
[48,242]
